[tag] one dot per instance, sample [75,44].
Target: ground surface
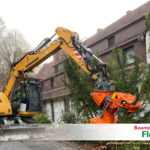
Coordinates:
[35,145]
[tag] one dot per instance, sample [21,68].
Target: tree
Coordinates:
[147,21]
[80,86]
[12,47]
[134,79]
[2,28]
[125,77]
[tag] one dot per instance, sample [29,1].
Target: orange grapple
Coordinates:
[109,102]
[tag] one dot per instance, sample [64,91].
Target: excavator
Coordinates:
[21,98]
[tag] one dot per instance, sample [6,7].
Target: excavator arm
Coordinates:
[37,56]
[103,93]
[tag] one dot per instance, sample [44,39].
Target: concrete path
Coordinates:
[35,145]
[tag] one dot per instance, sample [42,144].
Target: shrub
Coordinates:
[42,118]
[69,118]
[85,120]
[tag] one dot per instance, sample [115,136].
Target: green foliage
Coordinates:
[129,80]
[145,84]
[129,145]
[42,118]
[125,78]
[69,118]
[80,85]
[85,120]
[144,93]
[147,21]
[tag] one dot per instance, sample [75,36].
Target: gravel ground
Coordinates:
[35,145]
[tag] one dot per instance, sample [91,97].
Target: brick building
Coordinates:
[55,95]
[128,33]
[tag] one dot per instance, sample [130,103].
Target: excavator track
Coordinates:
[7,121]
[13,133]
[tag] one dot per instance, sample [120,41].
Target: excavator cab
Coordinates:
[33,95]
[27,98]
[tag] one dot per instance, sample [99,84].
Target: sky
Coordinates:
[37,19]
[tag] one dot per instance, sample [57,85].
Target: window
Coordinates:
[129,53]
[52,111]
[66,105]
[111,41]
[56,68]
[52,83]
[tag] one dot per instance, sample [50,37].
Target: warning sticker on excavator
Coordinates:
[77,54]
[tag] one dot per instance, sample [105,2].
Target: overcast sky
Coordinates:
[37,19]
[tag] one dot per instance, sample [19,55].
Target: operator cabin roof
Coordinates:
[129,18]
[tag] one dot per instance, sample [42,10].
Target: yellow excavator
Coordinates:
[22,99]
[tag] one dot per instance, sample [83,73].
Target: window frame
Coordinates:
[111,41]
[56,69]
[52,83]
[126,51]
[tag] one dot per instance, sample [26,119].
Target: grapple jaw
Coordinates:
[109,102]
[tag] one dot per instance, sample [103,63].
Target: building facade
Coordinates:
[127,33]
[55,94]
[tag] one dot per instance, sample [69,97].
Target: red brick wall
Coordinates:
[140,51]
[124,38]
[131,31]
[46,85]
[46,71]
[59,56]
[58,80]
